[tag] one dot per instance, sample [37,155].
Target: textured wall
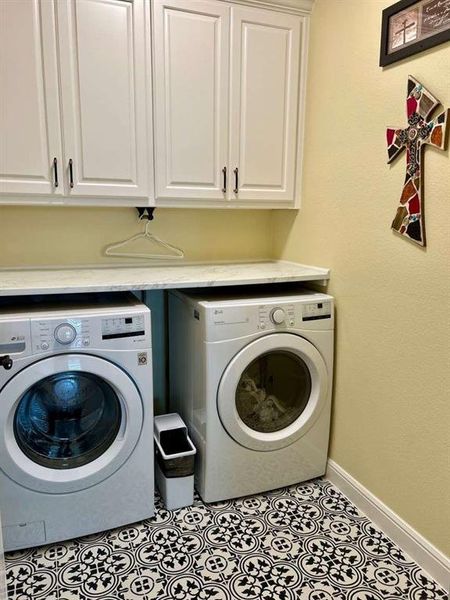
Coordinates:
[391,405]
[40,236]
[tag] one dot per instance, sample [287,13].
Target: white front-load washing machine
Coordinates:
[76,418]
[251,373]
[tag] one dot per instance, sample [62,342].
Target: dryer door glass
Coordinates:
[67,420]
[273,391]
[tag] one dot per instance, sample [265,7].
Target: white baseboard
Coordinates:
[432,560]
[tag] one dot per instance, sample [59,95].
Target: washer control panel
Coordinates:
[50,334]
[14,337]
[65,333]
[56,334]
[120,327]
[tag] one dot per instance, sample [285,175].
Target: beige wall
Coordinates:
[40,236]
[391,404]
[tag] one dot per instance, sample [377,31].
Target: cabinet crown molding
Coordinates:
[293,6]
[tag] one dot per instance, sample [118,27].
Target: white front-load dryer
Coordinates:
[251,373]
[76,418]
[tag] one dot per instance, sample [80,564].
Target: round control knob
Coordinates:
[65,333]
[277,316]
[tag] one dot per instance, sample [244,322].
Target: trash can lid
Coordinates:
[165,422]
[175,443]
[170,422]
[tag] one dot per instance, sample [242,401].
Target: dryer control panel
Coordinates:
[221,315]
[293,315]
[282,314]
[315,311]
[226,319]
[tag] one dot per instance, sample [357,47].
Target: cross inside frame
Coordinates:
[420,104]
[404,30]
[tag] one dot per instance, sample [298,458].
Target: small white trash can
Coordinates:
[174,464]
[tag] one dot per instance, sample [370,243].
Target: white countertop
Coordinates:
[120,278]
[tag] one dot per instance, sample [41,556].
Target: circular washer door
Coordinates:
[68,422]
[272,391]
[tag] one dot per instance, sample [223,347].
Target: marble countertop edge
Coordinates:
[168,276]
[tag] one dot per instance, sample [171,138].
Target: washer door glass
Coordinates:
[67,420]
[273,391]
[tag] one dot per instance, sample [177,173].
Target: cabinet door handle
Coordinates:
[236,180]
[55,172]
[71,172]
[224,173]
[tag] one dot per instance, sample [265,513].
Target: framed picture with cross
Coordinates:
[410,26]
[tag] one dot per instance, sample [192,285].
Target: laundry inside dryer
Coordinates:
[273,391]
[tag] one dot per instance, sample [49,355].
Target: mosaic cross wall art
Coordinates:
[421,130]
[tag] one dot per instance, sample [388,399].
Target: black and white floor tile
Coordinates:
[305,542]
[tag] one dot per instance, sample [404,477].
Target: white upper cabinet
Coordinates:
[30,135]
[191,49]
[195,103]
[228,89]
[103,72]
[265,56]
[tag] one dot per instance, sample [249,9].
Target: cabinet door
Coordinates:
[103,79]
[265,53]
[30,137]
[191,43]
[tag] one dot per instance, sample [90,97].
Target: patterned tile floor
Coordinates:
[305,542]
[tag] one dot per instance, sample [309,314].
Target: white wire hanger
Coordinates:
[113,249]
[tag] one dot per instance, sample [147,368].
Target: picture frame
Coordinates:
[411,26]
